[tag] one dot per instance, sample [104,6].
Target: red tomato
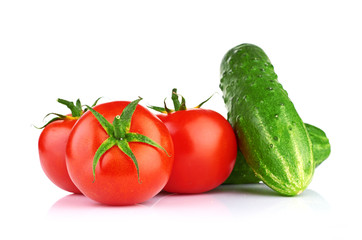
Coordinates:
[116,180]
[205,150]
[51,145]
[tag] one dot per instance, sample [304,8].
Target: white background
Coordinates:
[122,50]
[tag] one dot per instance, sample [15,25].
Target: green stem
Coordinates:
[107,126]
[76,111]
[103,148]
[124,146]
[174,97]
[168,111]
[120,135]
[198,106]
[179,106]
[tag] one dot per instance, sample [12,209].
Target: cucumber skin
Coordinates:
[271,135]
[320,144]
[243,174]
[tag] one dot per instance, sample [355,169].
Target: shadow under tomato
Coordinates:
[78,207]
[241,203]
[164,205]
[202,205]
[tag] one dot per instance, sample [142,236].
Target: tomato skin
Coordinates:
[51,145]
[116,181]
[205,150]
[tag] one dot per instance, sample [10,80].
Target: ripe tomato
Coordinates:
[51,145]
[115,180]
[204,143]
[205,150]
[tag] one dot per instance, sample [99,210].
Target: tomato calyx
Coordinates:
[120,135]
[76,111]
[178,106]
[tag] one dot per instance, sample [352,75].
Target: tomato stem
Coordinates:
[166,109]
[174,97]
[117,127]
[199,106]
[178,106]
[76,111]
[120,135]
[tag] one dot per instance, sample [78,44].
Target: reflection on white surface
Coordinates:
[231,202]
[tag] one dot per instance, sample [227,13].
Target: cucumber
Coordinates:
[271,135]
[320,144]
[243,174]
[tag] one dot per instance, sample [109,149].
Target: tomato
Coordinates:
[205,147]
[51,145]
[205,150]
[116,179]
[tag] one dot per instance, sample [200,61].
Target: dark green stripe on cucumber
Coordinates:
[271,135]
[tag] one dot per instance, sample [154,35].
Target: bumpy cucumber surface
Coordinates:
[243,174]
[271,135]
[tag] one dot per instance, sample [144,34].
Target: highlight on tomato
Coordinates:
[119,153]
[52,143]
[204,143]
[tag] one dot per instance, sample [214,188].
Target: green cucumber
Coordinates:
[320,144]
[271,135]
[243,174]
